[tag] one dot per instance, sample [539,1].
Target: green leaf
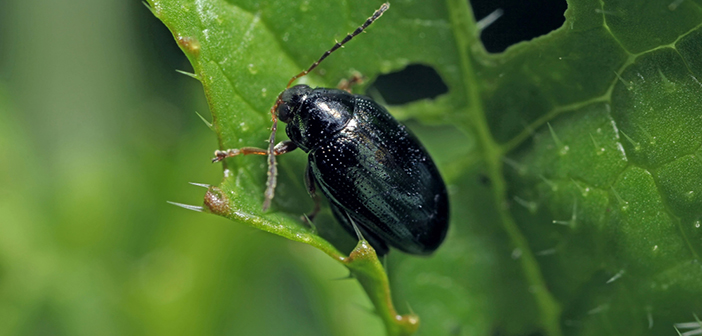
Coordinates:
[573,159]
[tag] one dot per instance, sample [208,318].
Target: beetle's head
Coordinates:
[312,116]
[290,101]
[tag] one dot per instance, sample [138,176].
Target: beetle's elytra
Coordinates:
[375,173]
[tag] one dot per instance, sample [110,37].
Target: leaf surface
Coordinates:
[573,159]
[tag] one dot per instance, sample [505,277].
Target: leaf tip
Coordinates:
[187,206]
[189,74]
[206,186]
[151,9]
[489,19]
[616,277]
[207,123]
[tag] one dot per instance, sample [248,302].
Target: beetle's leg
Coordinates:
[341,215]
[312,190]
[347,84]
[281,148]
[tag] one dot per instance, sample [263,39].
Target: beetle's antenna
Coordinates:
[348,37]
[272,169]
[272,165]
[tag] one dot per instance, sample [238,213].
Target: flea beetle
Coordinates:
[377,176]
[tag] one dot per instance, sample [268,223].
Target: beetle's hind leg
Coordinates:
[281,148]
[312,190]
[344,218]
[347,84]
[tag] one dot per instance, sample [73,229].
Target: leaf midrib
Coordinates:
[493,151]
[466,35]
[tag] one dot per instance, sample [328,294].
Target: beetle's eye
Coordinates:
[283,112]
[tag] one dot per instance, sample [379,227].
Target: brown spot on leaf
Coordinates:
[216,201]
[189,44]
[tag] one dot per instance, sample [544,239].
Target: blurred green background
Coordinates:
[97,132]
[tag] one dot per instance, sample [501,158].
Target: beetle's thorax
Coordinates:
[316,115]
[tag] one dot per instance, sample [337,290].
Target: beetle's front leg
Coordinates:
[312,190]
[281,148]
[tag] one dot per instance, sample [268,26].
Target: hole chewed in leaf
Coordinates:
[415,82]
[520,21]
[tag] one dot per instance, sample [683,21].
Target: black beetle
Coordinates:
[372,169]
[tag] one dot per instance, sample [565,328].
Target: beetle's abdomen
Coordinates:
[382,177]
